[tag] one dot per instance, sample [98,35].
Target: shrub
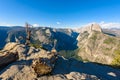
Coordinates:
[70,54]
[116,60]
[94,37]
[109,40]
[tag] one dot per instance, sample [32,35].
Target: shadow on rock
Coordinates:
[65,66]
[19,64]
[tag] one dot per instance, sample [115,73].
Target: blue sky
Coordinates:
[59,13]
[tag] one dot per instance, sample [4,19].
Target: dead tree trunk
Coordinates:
[28,34]
[8,58]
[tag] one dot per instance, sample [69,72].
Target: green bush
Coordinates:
[94,37]
[37,46]
[70,54]
[109,40]
[116,61]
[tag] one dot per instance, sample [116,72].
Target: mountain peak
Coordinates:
[96,27]
[91,27]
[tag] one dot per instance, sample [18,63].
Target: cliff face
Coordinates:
[96,46]
[91,27]
[61,39]
[8,34]
[3,35]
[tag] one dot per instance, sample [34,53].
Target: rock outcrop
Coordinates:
[13,47]
[44,65]
[22,70]
[12,52]
[35,64]
[7,58]
[42,61]
[95,46]
[65,69]
[78,76]
[91,27]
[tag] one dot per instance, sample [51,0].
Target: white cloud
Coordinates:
[105,25]
[109,25]
[36,25]
[6,24]
[58,23]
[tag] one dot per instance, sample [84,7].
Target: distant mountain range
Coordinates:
[45,36]
[112,31]
[90,43]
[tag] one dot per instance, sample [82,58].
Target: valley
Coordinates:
[89,48]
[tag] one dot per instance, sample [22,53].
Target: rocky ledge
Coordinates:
[39,64]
